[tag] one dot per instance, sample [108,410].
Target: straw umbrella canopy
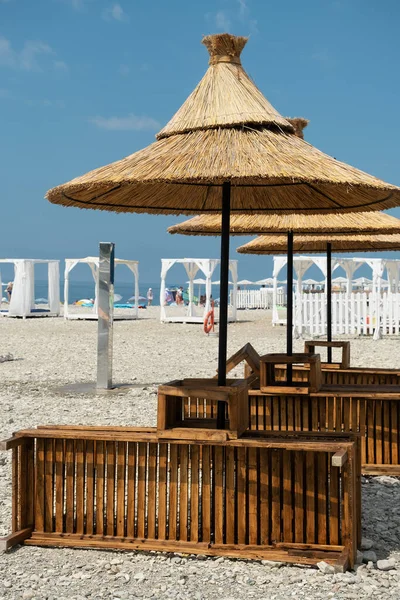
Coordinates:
[277,244]
[259,224]
[227,149]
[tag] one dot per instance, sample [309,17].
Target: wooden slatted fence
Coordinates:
[262,496]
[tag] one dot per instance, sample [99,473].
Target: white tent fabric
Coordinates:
[93,263]
[22,302]
[192,266]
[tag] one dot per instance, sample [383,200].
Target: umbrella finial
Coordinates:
[224,47]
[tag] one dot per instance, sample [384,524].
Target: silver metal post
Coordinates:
[105,304]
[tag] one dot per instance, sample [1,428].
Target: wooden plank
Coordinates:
[265,490]
[241,504]
[206,494]
[378,432]
[15,491]
[362,428]
[69,486]
[253,494]
[121,467]
[110,483]
[299,497]
[287,509]
[100,487]
[386,433]
[141,493]
[90,474]
[80,486]
[183,492]
[276,491]
[310,498]
[151,492]
[194,492]
[59,485]
[218,463]
[322,483]
[230,495]
[334,505]
[25,485]
[162,492]
[17,537]
[394,433]
[39,486]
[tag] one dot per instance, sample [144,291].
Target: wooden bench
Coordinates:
[288,497]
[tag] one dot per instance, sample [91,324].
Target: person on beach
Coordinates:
[9,290]
[179,296]
[149,297]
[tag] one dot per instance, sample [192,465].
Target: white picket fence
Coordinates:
[355,314]
[262,298]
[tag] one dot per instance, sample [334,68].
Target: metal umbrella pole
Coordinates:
[329,297]
[289,310]
[223,300]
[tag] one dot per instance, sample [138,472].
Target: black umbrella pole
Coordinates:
[329,297]
[223,297]
[289,311]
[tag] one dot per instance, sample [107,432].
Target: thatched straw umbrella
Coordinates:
[278,244]
[227,150]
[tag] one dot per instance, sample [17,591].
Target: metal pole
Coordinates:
[223,299]
[105,303]
[329,297]
[289,311]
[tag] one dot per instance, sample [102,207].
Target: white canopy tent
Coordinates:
[207,267]
[93,263]
[22,303]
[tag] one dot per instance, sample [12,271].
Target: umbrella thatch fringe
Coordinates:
[372,222]
[299,124]
[226,96]
[277,244]
[269,171]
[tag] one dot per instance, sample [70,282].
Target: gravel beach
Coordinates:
[50,353]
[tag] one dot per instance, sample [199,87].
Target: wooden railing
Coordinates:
[291,498]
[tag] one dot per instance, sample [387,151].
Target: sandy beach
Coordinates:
[50,353]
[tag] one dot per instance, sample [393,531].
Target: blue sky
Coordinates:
[86,82]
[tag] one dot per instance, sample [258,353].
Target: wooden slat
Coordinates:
[194,493]
[310,498]
[69,486]
[183,492]
[230,496]
[110,498]
[89,487]
[151,493]
[162,492]
[59,485]
[100,487]
[121,467]
[219,467]
[252,465]
[25,485]
[80,486]
[287,509]
[299,508]
[206,494]
[264,496]
[322,482]
[141,495]
[276,491]
[334,509]
[378,432]
[15,491]
[241,504]
[386,433]
[394,431]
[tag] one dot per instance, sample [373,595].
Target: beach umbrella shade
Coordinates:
[245,282]
[219,283]
[274,244]
[310,282]
[339,280]
[362,281]
[267,281]
[227,150]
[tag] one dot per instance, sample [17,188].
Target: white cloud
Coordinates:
[130,123]
[27,58]
[115,13]
[60,65]
[222,20]
[243,8]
